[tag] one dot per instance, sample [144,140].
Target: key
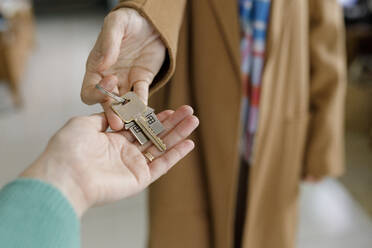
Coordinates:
[152,121]
[108,93]
[134,110]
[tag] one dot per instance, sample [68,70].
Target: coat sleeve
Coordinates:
[325,147]
[166,17]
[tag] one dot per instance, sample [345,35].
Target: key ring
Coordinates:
[143,122]
[112,95]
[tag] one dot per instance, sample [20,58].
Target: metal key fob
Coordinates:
[134,110]
[153,122]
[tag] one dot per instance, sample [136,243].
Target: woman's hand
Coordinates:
[91,166]
[128,54]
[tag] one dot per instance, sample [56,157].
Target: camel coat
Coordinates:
[300,122]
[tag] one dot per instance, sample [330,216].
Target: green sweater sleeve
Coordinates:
[35,214]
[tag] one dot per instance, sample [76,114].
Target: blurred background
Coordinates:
[43,48]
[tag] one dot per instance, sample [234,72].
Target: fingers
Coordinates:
[113,119]
[91,95]
[164,115]
[172,121]
[163,163]
[146,66]
[127,32]
[110,84]
[181,124]
[110,39]
[104,54]
[177,134]
[141,88]
[88,92]
[96,121]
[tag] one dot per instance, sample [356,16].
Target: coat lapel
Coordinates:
[226,13]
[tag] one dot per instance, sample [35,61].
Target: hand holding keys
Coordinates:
[138,118]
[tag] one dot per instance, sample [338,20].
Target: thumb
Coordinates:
[109,42]
[91,95]
[103,56]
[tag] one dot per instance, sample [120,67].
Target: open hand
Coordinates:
[91,166]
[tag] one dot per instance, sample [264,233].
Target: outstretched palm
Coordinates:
[108,166]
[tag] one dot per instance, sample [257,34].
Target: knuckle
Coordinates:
[83,97]
[167,161]
[108,17]
[55,137]
[114,16]
[177,155]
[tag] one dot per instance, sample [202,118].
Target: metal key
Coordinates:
[152,121]
[108,93]
[154,125]
[134,110]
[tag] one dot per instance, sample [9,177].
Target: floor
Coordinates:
[329,217]
[359,178]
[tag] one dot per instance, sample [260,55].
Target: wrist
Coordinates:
[52,171]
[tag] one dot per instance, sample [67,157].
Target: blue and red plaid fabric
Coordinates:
[254,16]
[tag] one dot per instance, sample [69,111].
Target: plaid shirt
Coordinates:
[254,16]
